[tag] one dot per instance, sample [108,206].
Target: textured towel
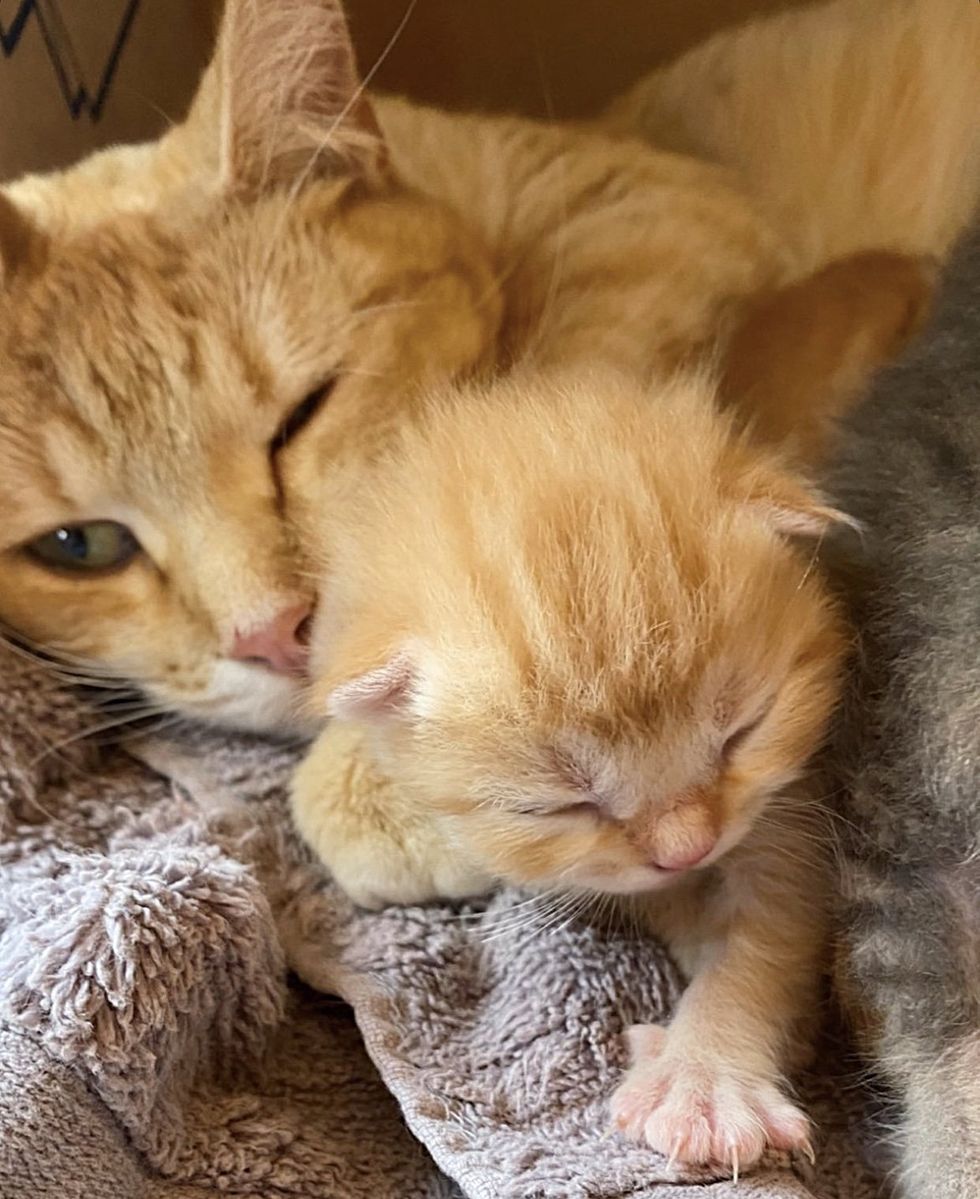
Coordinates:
[153,1045]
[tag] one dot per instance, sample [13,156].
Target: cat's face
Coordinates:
[161,370]
[158,375]
[620,660]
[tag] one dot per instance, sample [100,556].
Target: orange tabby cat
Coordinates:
[196,332]
[561,652]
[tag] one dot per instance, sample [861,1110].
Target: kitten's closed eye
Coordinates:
[734,741]
[582,808]
[302,414]
[96,546]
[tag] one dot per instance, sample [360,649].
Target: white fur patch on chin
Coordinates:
[249,699]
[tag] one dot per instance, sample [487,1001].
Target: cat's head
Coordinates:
[586,626]
[160,369]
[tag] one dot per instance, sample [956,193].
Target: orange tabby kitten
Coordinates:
[200,334]
[561,652]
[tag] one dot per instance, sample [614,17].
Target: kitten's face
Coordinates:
[626,785]
[595,793]
[156,376]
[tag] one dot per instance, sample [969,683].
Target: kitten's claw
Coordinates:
[703,1110]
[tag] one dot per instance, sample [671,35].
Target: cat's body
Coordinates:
[907,753]
[602,670]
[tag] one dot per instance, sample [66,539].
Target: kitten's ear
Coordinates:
[803,354]
[386,692]
[20,243]
[790,508]
[293,108]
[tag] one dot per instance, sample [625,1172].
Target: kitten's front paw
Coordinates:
[376,874]
[378,847]
[702,1109]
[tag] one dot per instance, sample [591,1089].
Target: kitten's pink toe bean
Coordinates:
[630,1107]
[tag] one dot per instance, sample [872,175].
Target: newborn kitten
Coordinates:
[590,660]
[205,344]
[907,750]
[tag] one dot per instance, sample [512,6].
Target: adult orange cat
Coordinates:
[194,332]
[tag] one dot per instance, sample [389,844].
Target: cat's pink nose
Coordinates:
[279,645]
[684,858]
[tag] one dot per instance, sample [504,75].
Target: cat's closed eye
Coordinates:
[96,547]
[300,416]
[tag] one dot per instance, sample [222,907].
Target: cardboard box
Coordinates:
[79,74]
[563,58]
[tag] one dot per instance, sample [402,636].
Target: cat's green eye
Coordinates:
[97,545]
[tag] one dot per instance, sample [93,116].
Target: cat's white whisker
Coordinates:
[107,726]
[355,97]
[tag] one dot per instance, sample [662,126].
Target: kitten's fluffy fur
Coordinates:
[907,752]
[297,233]
[595,660]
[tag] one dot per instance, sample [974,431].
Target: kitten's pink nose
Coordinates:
[280,645]
[686,857]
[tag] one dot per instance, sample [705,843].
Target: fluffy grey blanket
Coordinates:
[188,1008]
[155,1045]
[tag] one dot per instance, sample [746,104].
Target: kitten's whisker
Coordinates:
[524,915]
[577,911]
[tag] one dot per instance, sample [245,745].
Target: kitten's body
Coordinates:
[597,668]
[908,749]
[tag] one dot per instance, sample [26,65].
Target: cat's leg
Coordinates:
[709,1087]
[907,973]
[379,847]
[803,354]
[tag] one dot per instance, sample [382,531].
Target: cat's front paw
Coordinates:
[700,1108]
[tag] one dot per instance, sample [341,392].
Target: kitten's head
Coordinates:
[595,639]
[159,370]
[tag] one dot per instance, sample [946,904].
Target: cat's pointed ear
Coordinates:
[20,242]
[803,354]
[386,692]
[293,106]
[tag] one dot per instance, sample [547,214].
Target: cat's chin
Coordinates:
[249,699]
